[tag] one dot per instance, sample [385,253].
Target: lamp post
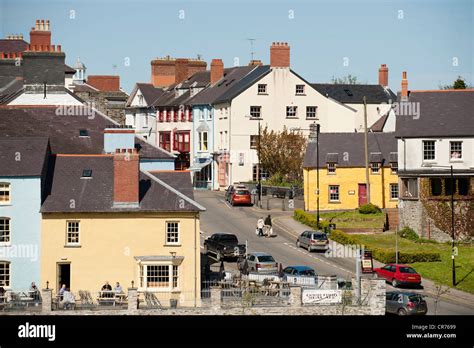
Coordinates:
[453,187]
[314,130]
[259,181]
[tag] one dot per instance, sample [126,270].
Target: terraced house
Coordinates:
[342,175]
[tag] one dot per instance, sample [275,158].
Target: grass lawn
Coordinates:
[440,272]
[354,219]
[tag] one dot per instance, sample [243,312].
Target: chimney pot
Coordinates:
[280,55]
[404,93]
[217,70]
[383,75]
[37,24]
[47,25]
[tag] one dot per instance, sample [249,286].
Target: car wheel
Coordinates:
[309,248]
[218,256]
[401,311]
[395,283]
[298,245]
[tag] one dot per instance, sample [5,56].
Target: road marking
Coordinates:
[275,221]
[225,203]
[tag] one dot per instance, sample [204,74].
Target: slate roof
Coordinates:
[95,194]
[441,114]
[63,131]
[353,94]
[12,46]
[150,93]
[241,85]
[23,156]
[10,89]
[199,79]
[379,124]
[84,87]
[69,70]
[229,80]
[349,148]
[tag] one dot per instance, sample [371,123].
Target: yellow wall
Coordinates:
[108,245]
[348,180]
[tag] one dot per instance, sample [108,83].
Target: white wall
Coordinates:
[413,147]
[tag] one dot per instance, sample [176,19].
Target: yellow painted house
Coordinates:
[342,175]
[106,220]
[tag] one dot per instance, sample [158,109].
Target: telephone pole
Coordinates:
[366,145]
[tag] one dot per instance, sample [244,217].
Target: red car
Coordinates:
[240,196]
[399,275]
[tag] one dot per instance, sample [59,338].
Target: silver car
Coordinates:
[405,303]
[313,240]
[258,262]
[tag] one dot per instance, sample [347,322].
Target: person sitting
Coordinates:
[34,292]
[118,288]
[106,290]
[61,292]
[68,299]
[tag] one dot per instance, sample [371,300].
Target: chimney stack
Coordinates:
[404,86]
[217,70]
[167,71]
[280,55]
[255,62]
[383,75]
[126,178]
[181,70]
[109,83]
[40,34]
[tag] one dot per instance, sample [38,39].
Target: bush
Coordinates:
[407,233]
[386,255]
[309,219]
[369,208]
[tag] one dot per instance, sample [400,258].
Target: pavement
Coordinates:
[241,221]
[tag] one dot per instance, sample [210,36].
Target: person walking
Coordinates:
[268,226]
[260,226]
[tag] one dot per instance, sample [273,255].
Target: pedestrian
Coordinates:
[260,225]
[268,226]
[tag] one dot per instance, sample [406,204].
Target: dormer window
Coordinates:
[87,173]
[375,167]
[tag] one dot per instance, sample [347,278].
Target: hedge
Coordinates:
[309,219]
[387,255]
[369,208]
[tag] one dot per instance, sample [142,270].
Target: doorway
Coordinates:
[64,275]
[362,194]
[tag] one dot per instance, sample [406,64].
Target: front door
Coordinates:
[64,275]
[362,194]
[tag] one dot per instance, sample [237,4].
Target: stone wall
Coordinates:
[99,101]
[372,303]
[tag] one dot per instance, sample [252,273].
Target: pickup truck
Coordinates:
[223,245]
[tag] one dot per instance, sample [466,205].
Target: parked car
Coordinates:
[405,303]
[313,240]
[257,262]
[223,245]
[399,275]
[303,271]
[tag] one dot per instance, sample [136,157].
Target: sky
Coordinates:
[432,39]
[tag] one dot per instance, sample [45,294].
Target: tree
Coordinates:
[345,80]
[282,153]
[459,83]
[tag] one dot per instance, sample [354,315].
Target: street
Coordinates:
[241,221]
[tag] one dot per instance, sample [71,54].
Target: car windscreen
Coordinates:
[320,236]
[307,272]
[242,192]
[407,270]
[266,258]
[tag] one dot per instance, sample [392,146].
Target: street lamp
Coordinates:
[453,186]
[258,155]
[314,130]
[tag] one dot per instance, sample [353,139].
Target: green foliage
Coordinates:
[386,255]
[345,80]
[369,208]
[309,219]
[408,233]
[459,83]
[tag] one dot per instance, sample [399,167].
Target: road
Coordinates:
[241,221]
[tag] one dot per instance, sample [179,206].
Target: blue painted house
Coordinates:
[204,157]
[22,189]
